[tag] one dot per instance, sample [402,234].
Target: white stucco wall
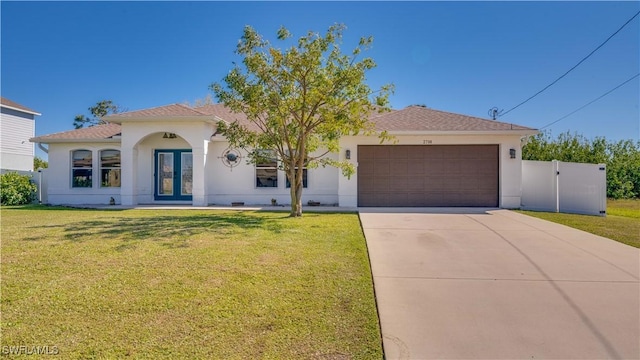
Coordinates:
[145,160]
[141,139]
[219,184]
[215,183]
[59,190]
[510,169]
[228,185]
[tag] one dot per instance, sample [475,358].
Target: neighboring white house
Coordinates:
[173,154]
[17,126]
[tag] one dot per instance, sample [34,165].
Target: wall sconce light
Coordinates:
[169,136]
[512,153]
[347,154]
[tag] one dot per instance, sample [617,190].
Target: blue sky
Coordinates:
[59,58]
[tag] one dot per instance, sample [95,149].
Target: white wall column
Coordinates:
[199,189]
[129,166]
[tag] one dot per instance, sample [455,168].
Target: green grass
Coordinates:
[621,223]
[187,284]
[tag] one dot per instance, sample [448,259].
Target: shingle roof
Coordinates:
[98,132]
[222,112]
[412,118]
[172,110]
[419,118]
[12,104]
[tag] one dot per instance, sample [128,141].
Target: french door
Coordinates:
[173,175]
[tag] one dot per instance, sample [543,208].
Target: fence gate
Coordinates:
[564,187]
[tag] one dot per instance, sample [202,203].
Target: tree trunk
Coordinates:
[296,193]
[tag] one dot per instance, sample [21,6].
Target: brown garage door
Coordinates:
[429,175]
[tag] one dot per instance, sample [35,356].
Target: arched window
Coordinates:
[110,168]
[81,169]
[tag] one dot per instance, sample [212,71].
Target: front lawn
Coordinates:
[622,222]
[187,284]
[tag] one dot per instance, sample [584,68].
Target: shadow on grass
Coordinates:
[36,207]
[170,231]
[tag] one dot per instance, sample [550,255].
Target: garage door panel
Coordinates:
[381,152]
[487,188]
[415,168]
[381,169]
[399,153]
[416,199]
[399,167]
[434,183]
[433,198]
[468,166]
[381,183]
[451,153]
[366,153]
[433,152]
[365,184]
[398,199]
[429,175]
[399,183]
[383,199]
[367,198]
[451,184]
[452,168]
[435,167]
[488,152]
[417,153]
[486,165]
[365,168]
[415,183]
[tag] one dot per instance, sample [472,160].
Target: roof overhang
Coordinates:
[73,141]
[519,132]
[20,110]
[142,119]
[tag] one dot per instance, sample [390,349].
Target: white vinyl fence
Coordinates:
[564,187]
[40,179]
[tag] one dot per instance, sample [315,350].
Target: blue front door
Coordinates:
[173,175]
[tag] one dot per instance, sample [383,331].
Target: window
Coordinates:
[81,169]
[304,179]
[110,168]
[267,169]
[186,169]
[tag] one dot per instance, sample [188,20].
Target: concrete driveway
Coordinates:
[495,284]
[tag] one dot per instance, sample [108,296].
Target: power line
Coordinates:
[590,102]
[575,66]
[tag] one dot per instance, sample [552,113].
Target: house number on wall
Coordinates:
[426,142]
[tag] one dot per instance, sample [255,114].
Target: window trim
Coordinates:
[118,168]
[74,168]
[271,155]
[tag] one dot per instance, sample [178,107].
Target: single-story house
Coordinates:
[173,155]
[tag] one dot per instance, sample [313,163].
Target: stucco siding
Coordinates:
[139,142]
[221,185]
[238,184]
[145,158]
[59,189]
[16,128]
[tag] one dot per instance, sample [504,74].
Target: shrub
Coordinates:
[16,189]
